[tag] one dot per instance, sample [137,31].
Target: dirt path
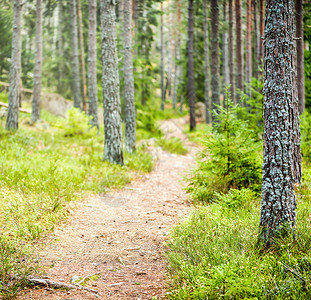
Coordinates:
[120,236]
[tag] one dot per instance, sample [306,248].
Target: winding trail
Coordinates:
[120,236]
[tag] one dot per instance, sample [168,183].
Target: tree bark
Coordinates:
[130,124]
[282,159]
[215,54]
[75,56]
[231,52]
[206,64]
[300,56]
[261,29]
[92,70]
[15,70]
[191,90]
[82,56]
[256,72]
[36,101]
[60,47]
[239,45]
[248,42]
[225,65]
[110,84]
[162,61]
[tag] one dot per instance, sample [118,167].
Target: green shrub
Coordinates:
[305,125]
[172,145]
[235,198]
[229,158]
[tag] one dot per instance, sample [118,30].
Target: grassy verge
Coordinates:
[213,254]
[172,145]
[42,169]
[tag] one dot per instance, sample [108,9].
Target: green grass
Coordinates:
[172,145]
[213,254]
[42,169]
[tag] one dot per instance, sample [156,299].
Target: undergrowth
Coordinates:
[172,145]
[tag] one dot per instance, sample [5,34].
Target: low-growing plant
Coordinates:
[235,198]
[230,157]
[172,145]
[305,125]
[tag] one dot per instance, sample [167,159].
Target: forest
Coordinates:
[155,149]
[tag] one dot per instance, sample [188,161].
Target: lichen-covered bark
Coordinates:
[206,64]
[231,52]
[15,70]
[36,101]
[215,54]
[281,166]
[92,73]
[239,45]
[300,57]
[130,123]
[75,56]
[191,90]
[110,84]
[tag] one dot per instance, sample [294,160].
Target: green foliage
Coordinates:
[213,255]
[172,145]
[229,158]
[305,125]
[235,198]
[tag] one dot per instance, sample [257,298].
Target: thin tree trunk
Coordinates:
[36,101]
[15,70]
[191,89]
[281,133]
[162,61]
[75,57]
[256,41]
[82,56]
[239,45]
[261,29]
[136,19]
[110,84]
[248,42]
[206,64]
[169,55]
[225,65]
[215,54]
[300,56]
[130,124]
[60,47]
[231,52]
[92,70]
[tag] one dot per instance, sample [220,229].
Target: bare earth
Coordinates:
[120,236]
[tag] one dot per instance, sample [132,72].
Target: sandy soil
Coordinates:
[120,236]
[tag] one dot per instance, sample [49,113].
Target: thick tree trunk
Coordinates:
[300,56]
[75,56]
[225,65]
[15,70]
[82,56]
[215,54]
[248,42]
[92,70]
[162,61]
[231,52]
[281,134]
[130,124]
[110,84]
[60,47]
[206,64]
[36,101]
[191,90]
[239,45]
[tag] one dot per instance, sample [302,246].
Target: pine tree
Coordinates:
[239,45]
[206,64]
[231,52]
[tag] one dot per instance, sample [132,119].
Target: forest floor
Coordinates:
[119,237]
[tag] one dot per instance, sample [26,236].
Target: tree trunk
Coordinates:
[248,42]
[206,64]
[177,54]
[82,56]
[169,55]
[15,70]
[215,54]
[110,84]
[36,101]
[300,56]
[130,125]
[191,90]
[92,70]
[231,52]
[256,72]
[261,29]
[225,65]
[239,45]
[162,61]
[60,47]
[281,134]
[75,56]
